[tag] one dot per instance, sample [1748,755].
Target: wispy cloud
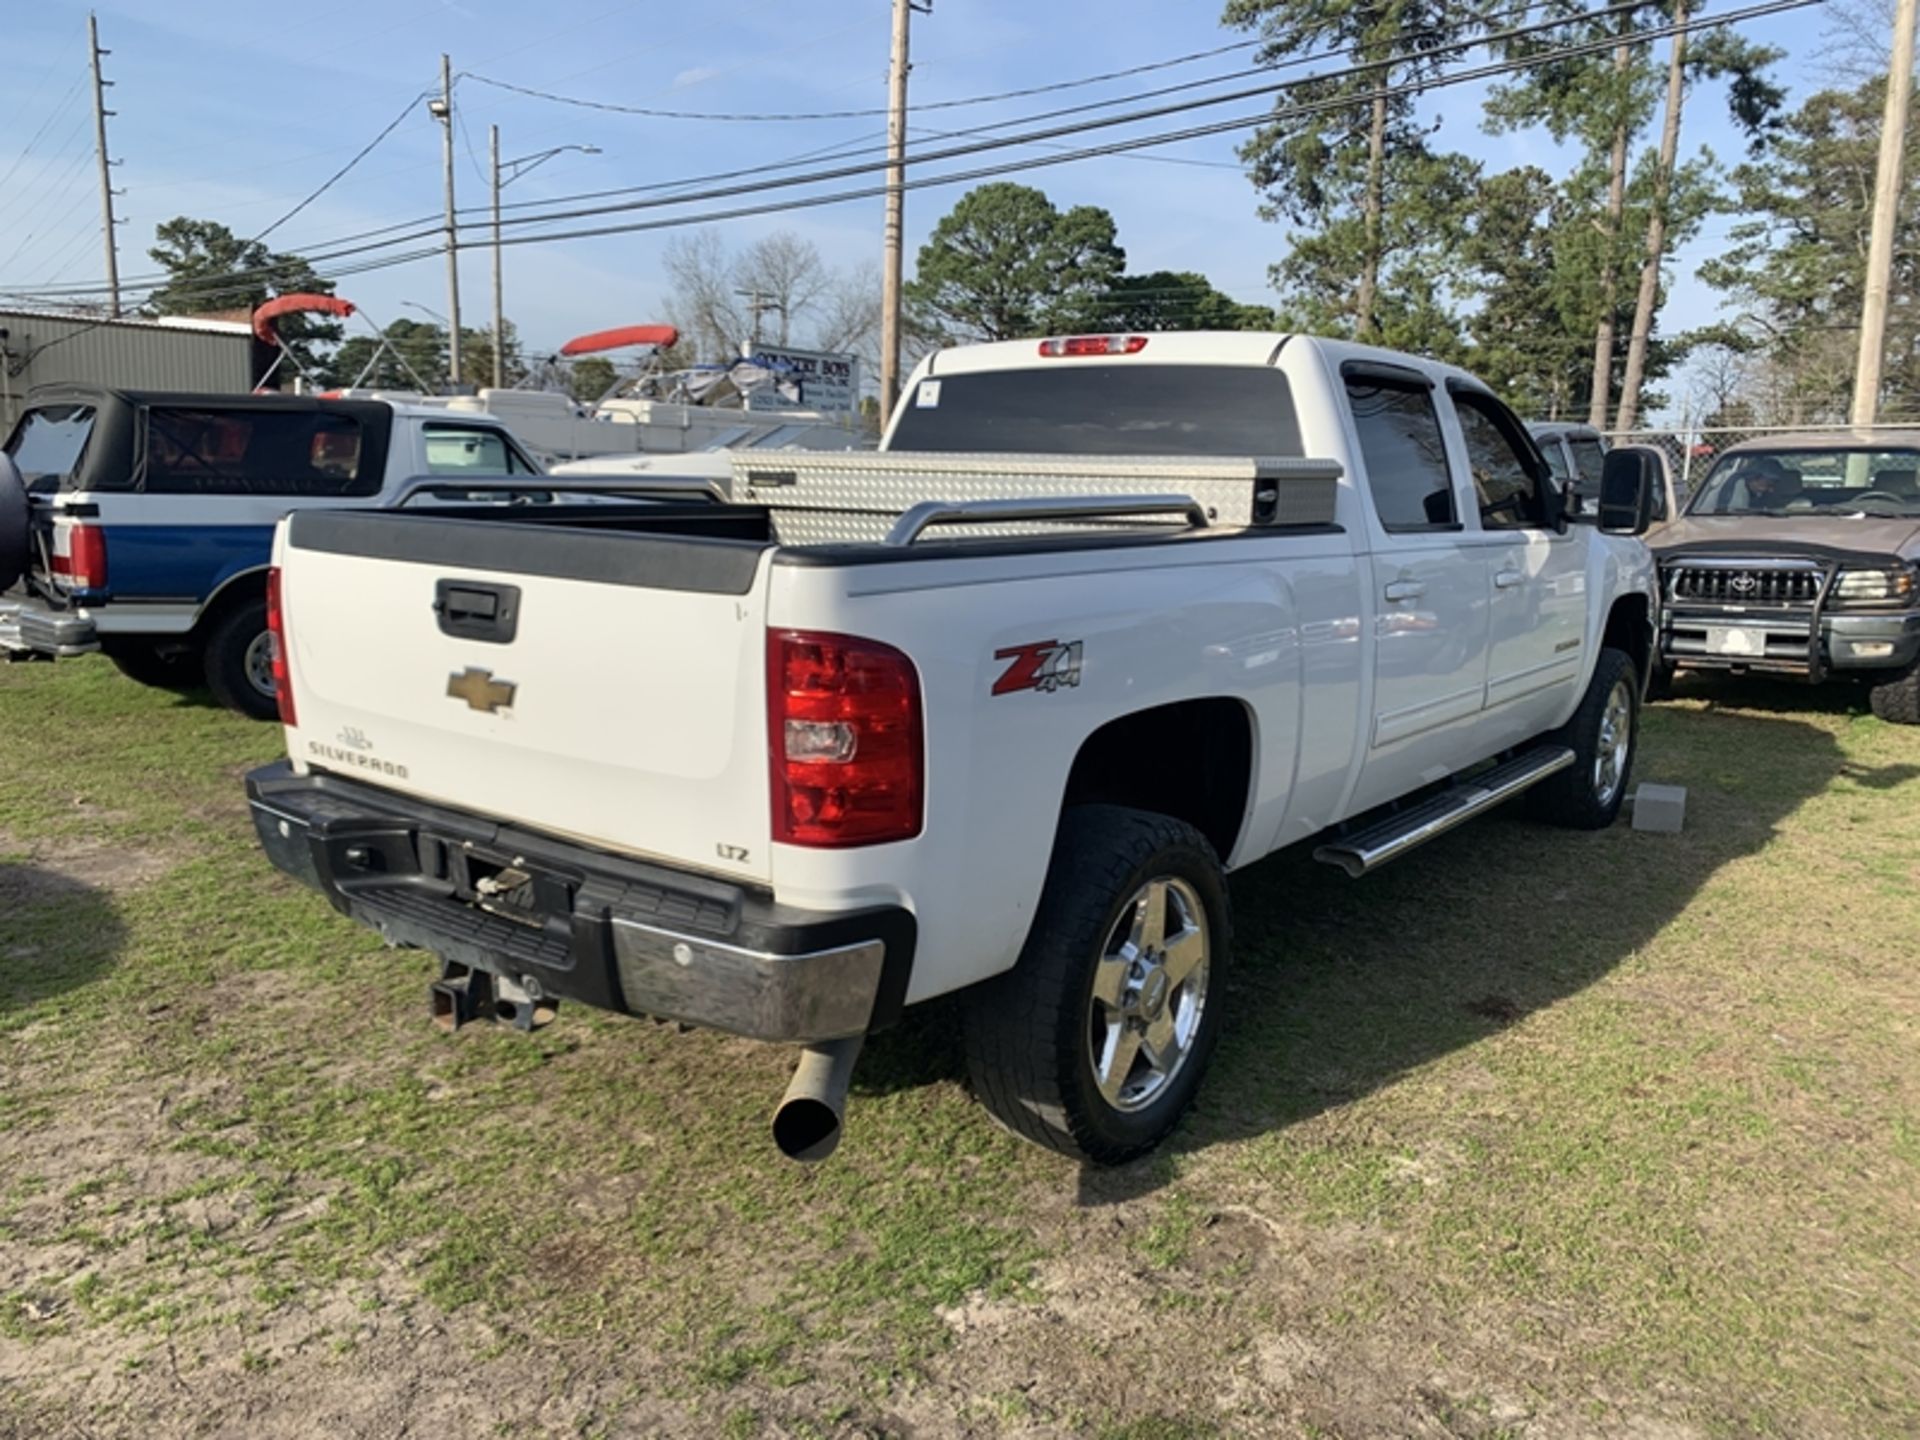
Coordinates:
[694,76]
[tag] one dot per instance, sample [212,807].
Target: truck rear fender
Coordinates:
[1192,760]
[234,589]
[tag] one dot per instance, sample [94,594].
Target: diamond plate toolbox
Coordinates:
[819,497]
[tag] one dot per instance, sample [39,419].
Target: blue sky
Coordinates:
[234,111]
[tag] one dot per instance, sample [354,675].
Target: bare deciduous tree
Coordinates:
[779,288]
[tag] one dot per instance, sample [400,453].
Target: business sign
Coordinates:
[805,380]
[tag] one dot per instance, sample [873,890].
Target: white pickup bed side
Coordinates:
[1210,620]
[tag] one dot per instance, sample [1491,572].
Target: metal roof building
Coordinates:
[170,353]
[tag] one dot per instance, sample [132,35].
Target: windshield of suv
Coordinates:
[1840,481]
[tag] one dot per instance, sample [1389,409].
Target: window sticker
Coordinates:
[928,396]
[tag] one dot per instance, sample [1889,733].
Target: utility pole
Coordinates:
[1637,338]
[100,113]
[758,303]
[1886,209]
[890,264]
[444,110]
[499,309]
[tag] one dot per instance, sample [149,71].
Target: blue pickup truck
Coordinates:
[139,524]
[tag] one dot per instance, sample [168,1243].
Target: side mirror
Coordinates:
[1628,480]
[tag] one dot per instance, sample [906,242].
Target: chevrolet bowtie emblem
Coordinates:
[480,690]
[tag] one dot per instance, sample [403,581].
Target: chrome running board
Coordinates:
[1367,850]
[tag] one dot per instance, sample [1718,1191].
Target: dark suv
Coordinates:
[1800,556]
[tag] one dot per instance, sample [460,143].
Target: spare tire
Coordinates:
[14,552]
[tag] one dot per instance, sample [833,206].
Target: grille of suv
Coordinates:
[1728,586]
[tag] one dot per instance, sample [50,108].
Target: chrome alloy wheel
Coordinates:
[259,663]
[1149,990]
[1615,740]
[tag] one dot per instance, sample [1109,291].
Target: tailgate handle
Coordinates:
[474,610]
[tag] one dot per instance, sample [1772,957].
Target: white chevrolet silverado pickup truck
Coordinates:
[994,710]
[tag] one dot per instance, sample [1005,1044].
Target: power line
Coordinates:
[867,114]
[45,125]
[1771,7]
[1193,160]
[53,193]
[1280,114]
[1156,112]
[420,228]
[71,252]
[1290,63]
[365,150]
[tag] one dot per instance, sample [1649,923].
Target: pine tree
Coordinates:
[1372,206]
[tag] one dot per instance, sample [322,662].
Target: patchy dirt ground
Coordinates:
[1531,1136]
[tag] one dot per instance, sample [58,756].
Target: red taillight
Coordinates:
[80,556]
[282,671]
[844,735]
[1094,345]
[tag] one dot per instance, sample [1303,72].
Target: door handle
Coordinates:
[1405,590]
[1507,579]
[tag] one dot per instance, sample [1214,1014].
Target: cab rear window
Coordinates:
[1124,409]
[47,444]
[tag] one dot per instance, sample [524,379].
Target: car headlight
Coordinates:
[1894,585]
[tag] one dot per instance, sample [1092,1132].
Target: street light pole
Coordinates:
[505,172]
[453,241]
[499,312]
[1886,210]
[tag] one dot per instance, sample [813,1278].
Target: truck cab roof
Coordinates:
[1177,347]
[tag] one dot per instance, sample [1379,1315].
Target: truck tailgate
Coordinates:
[444,659]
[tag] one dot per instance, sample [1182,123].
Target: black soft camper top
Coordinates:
[115,454]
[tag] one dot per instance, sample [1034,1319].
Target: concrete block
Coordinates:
[1661,809]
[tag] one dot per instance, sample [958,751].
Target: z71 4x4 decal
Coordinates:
[1043,665]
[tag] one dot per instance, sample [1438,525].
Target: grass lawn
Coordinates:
[1532,1135]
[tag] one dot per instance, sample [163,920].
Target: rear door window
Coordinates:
[256,452]
[47,444]
[1405,453]
[473,450]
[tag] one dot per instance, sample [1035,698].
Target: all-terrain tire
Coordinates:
[1030,1032]
[232,659]
[1897,698]
[1587,795]
[178,669]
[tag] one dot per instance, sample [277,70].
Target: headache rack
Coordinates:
[837,497]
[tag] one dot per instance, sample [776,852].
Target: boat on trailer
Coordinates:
[747,404]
